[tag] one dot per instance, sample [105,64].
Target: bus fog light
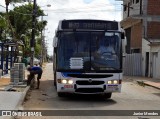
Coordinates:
[115,82]
[109,82]
[59,80]
[70,82]
[64,81]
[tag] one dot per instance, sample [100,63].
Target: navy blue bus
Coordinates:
[88,57]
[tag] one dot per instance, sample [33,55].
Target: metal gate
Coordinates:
[132,64]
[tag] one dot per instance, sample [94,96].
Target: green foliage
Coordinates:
[21,20]
[2,22]
[4,27]
[12,1]
[38,50]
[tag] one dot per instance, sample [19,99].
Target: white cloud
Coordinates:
[2,3]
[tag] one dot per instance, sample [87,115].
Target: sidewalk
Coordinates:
[11,96]
[144,81]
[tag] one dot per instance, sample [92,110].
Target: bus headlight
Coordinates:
[115,82]
[109,82]
[64,81]
[70,82]
[112,82]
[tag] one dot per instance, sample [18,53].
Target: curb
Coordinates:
[19,105]
[142,83]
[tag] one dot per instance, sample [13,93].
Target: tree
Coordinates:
[3,25]
[2,22]
[7,17]
[11,1]
[21,20]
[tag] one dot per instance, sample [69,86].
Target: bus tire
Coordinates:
[107,95]
[61,94]
[55,79]
[55,83]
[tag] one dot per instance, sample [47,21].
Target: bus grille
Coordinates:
[89,90]
[89,83]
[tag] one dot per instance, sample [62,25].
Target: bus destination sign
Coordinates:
[88,24]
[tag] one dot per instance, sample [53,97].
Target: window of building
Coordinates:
[124,8]
[137,1]
[135,50]
[133,1]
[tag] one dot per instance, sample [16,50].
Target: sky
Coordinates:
[74,9]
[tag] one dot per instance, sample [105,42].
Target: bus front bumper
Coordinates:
[89,89]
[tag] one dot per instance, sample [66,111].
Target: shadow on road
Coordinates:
[85,101]
[86,97]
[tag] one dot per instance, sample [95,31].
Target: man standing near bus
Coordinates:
[33,71]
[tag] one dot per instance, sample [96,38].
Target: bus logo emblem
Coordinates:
[90,80]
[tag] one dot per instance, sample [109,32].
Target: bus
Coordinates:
[87,57]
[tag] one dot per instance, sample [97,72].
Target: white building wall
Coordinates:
[155,61]
[158,65]
[134,9]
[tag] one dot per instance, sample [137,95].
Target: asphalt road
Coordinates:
[132,97]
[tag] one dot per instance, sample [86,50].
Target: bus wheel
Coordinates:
[107,95]
[61,95]
[55,83]
[55,79]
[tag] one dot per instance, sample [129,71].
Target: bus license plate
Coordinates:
[68,86]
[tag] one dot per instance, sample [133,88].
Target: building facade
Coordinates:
[141,21]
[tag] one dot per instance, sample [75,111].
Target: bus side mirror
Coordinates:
[57,33]
[122,35]
[124,44]
[55,49]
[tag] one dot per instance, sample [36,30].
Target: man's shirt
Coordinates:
[36,69]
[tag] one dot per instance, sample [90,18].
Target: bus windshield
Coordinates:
[88,50]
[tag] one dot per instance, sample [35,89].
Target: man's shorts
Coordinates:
[39,73]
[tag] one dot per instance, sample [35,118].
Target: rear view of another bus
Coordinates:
[88,57]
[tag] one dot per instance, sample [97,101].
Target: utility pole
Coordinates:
[42,42]
[42,38]
[32,41]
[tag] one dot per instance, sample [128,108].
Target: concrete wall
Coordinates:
[153,30]
[132,9]
[155,61]
[153,27]
[136,36]
[145,48]
[142,30]
[153,7]
[153,34]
